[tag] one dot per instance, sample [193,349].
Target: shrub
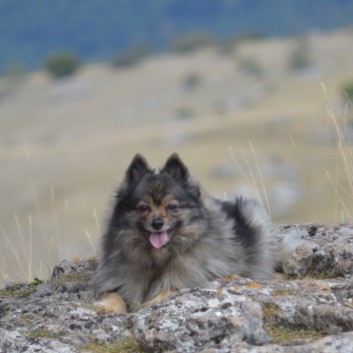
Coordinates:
[61,64]
[347,91]
[192,80]
[300,58]
[251,66]
[184,113]
[190,42]
[252,35]
[227,46]
[132,55]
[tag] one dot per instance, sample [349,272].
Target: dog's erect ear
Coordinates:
[137,169]
[176,168]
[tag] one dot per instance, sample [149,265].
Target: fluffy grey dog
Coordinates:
[166,233]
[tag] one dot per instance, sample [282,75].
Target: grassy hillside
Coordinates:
[244,122]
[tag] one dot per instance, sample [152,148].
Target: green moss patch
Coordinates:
[129,346]
[42,333]
[280,292]
[72,277]
[283,332]
[20,290]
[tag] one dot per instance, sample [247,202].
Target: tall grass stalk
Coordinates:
[17,253]
[88,236]
[96,221]
[259,191]
[14,252]
[38,217]
[24,259]
[262,180]
[30,247]
[30,251]
[56,241]
[20,234]
[338,195]
[345,153]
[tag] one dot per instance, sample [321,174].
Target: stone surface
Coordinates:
[327,250]
[309,311]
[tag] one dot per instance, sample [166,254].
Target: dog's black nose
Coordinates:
[157,223]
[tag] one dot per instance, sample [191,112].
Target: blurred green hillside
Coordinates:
[97,30]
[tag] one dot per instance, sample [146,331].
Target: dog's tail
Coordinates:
[266,249]
[257,236]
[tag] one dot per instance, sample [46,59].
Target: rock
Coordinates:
[198,318]
[74,267]
[301,260]
[309,311]
[13,341]
[326,252]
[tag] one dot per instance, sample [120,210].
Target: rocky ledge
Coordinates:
[309,310]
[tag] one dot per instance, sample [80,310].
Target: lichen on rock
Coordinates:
[309,311]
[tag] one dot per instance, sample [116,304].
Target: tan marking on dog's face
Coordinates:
[148,210]
[144,207]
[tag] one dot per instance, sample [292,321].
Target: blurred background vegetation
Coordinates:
[98,30]
[256,97]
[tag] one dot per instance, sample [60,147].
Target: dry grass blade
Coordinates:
[251,179]
[345,152]
[90,240]
[13,251]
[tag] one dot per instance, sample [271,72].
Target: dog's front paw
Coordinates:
[158,298]
[112,303]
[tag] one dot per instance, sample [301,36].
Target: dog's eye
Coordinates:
[172,207]
[143,208]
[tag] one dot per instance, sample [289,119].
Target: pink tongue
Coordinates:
[159,239]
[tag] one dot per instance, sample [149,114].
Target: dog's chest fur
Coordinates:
[169,270]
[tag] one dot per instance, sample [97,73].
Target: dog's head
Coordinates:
[161,204]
